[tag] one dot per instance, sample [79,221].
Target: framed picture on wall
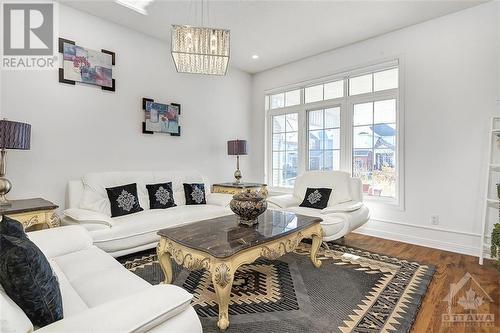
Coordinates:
[85,65]
[161,118]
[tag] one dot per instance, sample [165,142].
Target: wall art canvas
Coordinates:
[88,66]
[162,118]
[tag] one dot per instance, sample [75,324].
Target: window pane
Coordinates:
[315,159]
[279,124]
[385,111]
[292,141]
[277,101]
[278,142]
[384,135]
[332,118]
[334,89]
[385,80]
[279,160]
[332,139]
[363,137]
[316,140]
[363,114]
[314,93]
[292,122]
[276,177]
[315,119]
[384,173]
[362,166]
[290,170]
[360,84]
[331,160]
[292,97]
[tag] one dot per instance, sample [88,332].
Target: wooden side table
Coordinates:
[233,188]
[34,213]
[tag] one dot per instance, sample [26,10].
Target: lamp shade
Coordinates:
[237,147]
[14,135]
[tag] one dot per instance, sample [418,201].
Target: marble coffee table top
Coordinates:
[222,237]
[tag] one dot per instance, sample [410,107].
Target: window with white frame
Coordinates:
[284,149]
[349,122]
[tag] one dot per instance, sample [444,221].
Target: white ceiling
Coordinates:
[278,31]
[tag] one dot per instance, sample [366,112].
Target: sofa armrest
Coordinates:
[284,201]
[345,207]
[86,216]
[55,242]
[219,199]
[158,304]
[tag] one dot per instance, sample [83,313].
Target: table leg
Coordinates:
[317,239]
[165,262]
[222,279]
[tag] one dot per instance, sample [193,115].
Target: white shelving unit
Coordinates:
[494,167]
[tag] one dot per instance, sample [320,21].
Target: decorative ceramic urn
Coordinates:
[248,205]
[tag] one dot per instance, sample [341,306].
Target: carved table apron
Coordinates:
[222,269]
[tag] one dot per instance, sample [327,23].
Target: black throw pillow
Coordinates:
[195,194]
[26,276]
[123,200]
[316,198]
[161,196]
[11,227]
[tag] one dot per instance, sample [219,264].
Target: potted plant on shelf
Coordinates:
[495,236]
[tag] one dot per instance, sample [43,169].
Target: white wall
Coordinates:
[451,83]
[78,129]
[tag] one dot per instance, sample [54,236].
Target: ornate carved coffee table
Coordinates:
[221,245]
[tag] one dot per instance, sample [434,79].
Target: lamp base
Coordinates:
[237,176]
[5,186]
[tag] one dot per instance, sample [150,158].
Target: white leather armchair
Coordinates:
[345,211]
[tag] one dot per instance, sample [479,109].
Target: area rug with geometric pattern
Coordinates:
[352,291]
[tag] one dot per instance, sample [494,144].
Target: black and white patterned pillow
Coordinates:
[316,198]
[27,277]
[123,200]
[195,194]
[161,196]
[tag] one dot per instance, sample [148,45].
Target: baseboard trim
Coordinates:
[446,246]
[427,227]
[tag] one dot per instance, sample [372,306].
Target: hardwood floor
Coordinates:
[450,268]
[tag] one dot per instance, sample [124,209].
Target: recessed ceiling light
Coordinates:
[255,56]
[136,5]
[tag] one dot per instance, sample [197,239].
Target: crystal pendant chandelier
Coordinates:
[200,50]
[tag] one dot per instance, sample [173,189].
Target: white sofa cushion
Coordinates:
[137,312]
[95,197]
[88,216]
[345,207]
[336,180]
[72,302]
[98,278]
[141,228]
[59,241]
[12,318]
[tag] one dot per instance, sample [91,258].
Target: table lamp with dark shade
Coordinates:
[237,147]
[13,135]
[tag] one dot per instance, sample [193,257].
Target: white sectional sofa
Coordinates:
[99,294]
[345,211]
[88,205]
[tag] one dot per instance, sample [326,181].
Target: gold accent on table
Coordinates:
[234,190]
[41,219]
[222,270]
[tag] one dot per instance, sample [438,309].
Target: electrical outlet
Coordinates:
[434,219]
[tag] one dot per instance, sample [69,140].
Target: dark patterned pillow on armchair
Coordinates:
[316,198]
